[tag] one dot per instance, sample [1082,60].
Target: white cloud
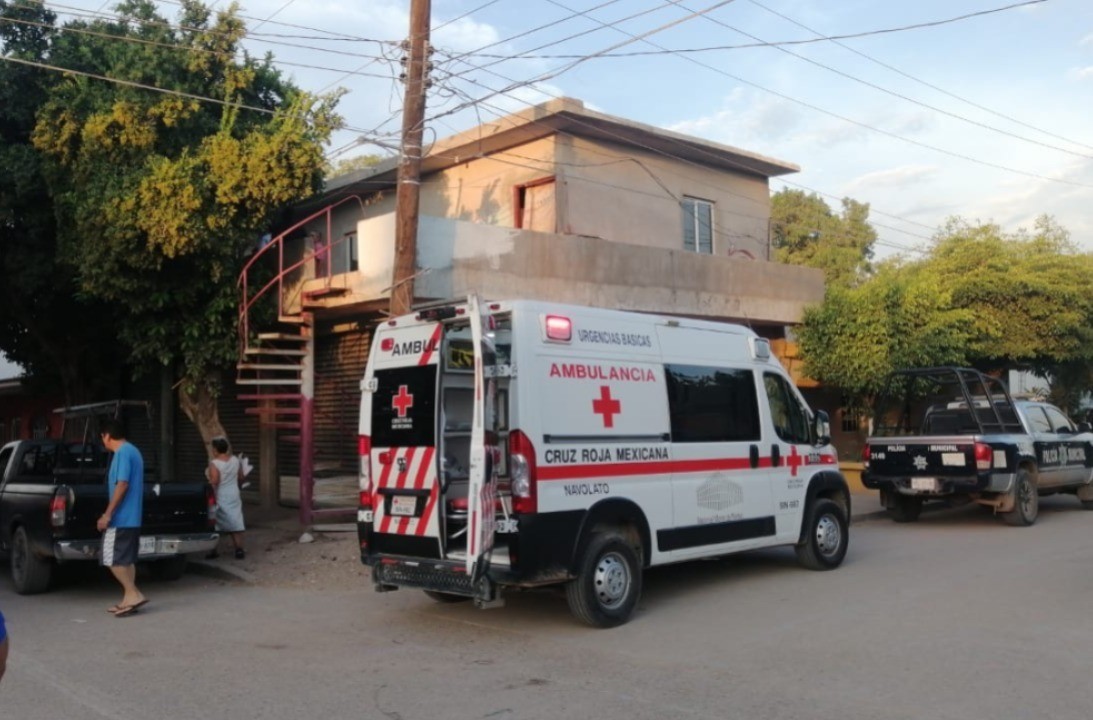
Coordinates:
[1087,40]
[1082,73]
[896,177]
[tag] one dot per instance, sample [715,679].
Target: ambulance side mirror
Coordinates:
[822,428]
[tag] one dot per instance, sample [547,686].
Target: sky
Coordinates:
[987,118]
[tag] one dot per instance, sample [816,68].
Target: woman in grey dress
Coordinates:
[224,473]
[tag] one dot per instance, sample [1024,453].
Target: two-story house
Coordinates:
[557,202]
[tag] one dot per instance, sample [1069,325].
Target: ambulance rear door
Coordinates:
[406,491]
[484,451]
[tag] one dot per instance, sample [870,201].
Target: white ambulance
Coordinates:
[520,444]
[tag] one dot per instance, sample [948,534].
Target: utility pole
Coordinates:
[408,193]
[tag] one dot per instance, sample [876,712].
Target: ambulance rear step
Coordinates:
[448,577]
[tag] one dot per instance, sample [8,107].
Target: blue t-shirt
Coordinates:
[3,630]
[127,466]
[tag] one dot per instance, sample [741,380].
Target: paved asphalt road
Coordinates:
[957,616]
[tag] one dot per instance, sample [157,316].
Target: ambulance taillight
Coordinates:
[522,472]
[364,450]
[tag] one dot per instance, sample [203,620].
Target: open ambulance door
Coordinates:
[484,452]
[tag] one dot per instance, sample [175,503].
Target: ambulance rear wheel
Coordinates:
[608,583]
[442,597]
[826,535]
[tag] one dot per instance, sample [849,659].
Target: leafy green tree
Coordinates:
[160,196]
[899,317]
[56,336]
[807,232]
[980,297]
[1030,293]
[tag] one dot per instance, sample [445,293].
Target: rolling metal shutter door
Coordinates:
[191,456]
[339,364]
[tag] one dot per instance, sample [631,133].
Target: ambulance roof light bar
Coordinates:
[558,328]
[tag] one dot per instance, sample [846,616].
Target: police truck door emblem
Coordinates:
[920,462]
[403,401]
[402,465]
[607,406]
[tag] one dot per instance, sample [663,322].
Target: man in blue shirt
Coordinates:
[120,523]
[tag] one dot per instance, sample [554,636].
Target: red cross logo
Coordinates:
[794,460]
[606,406]
[403,401]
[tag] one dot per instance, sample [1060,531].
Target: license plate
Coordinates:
[147,545]
[403,505]
[927,484]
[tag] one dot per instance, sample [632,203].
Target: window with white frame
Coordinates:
[697,225]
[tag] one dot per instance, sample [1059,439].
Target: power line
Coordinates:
[778,43]
[894,93]
[299,27]
[184,48]
[819,109]
[896,70]
[257,37]
[569,66]
[274,14]
[741,165]
[460,17]
[153,88]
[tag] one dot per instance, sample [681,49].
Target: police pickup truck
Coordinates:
[52,492]
[955,434]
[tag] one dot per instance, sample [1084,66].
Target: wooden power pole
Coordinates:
[408,193]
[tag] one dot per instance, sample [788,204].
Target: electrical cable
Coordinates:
[920,81]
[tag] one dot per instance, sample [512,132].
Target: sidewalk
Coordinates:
[277,558]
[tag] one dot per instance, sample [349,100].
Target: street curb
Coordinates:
[217,571]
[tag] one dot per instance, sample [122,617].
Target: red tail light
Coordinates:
[984,456]
[364,450]
[865,453]
[58,507]
[210,505]
[522,470]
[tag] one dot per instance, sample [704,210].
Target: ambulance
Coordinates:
[521,444]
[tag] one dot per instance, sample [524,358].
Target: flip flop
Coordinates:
[114,608]
[139,605]
[126,611]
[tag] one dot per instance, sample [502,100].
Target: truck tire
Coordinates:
[443,597]
[826,536]
[905,509]
[1026,501]
[608,583]
[170,569]
[29,573]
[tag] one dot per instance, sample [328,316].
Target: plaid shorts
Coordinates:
[120,546]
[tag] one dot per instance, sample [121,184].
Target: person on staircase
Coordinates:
[225,472]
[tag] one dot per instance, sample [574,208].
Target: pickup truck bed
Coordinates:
[52,494]
[955,434]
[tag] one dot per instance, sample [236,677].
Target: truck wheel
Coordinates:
[1026,501]
[170,569]
[30,573]
[443,597]
[825,538]
[608,583]
[905,509]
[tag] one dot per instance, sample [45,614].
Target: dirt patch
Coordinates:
[277,558]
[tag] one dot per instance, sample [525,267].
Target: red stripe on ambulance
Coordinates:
[430,346]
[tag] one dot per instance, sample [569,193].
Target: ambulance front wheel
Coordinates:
[825,538]
[608,583]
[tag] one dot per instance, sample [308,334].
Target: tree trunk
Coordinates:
[201,408]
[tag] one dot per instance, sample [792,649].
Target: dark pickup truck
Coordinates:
[52,493]
[955,434]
